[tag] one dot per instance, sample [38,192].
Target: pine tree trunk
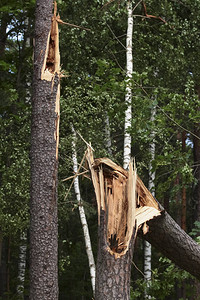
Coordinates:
[173,242]
[44,156]
[113,274]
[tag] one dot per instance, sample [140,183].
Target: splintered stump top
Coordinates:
[123,197]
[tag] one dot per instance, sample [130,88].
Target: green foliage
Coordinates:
[195,233]
[166,72]
[164,281]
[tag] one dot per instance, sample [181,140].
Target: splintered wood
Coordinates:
[51,67]
[51,64]
[125,200]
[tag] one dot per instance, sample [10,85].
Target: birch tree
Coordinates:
[147,245]
[116,223]
[88,245]
[128,95]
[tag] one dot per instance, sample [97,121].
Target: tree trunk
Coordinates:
[128,96]
[5,20]
[84,224]
[197,163]
[119,219]
[44,156]
[147,245]
[22,263]
[113,274]
[184,197]
[157,227]
[3,265]
[168,237]
[108,142]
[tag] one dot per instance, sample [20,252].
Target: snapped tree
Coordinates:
[44,155]
[125,207]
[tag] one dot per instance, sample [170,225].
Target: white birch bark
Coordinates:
[128,95]
[22,263]
[82,216]
[147,245]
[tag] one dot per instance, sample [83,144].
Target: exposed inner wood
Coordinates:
[51,67]
[51,64]
[126,201]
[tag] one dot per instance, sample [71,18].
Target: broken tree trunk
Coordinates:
[168,237]
[121,211]
[44,155]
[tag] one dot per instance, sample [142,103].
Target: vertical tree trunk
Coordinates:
[23,235]
[128,96]
[3,264]
[184,198]
[8,267]
[197,163]
[196,152]
[22,263]
[83,216]
[5,20]
[113,272]
[147,245]
[44,155]
[108,143]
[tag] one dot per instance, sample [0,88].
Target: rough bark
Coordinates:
[168,237]
[115,228]
[113,274]
[121,211]
[158,227]
[44,154]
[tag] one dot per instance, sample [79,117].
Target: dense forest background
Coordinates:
[166,79]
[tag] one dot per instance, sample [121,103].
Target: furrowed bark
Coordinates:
[157,227]
[44,155]
[121,211]
[168,237]
[113,275]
